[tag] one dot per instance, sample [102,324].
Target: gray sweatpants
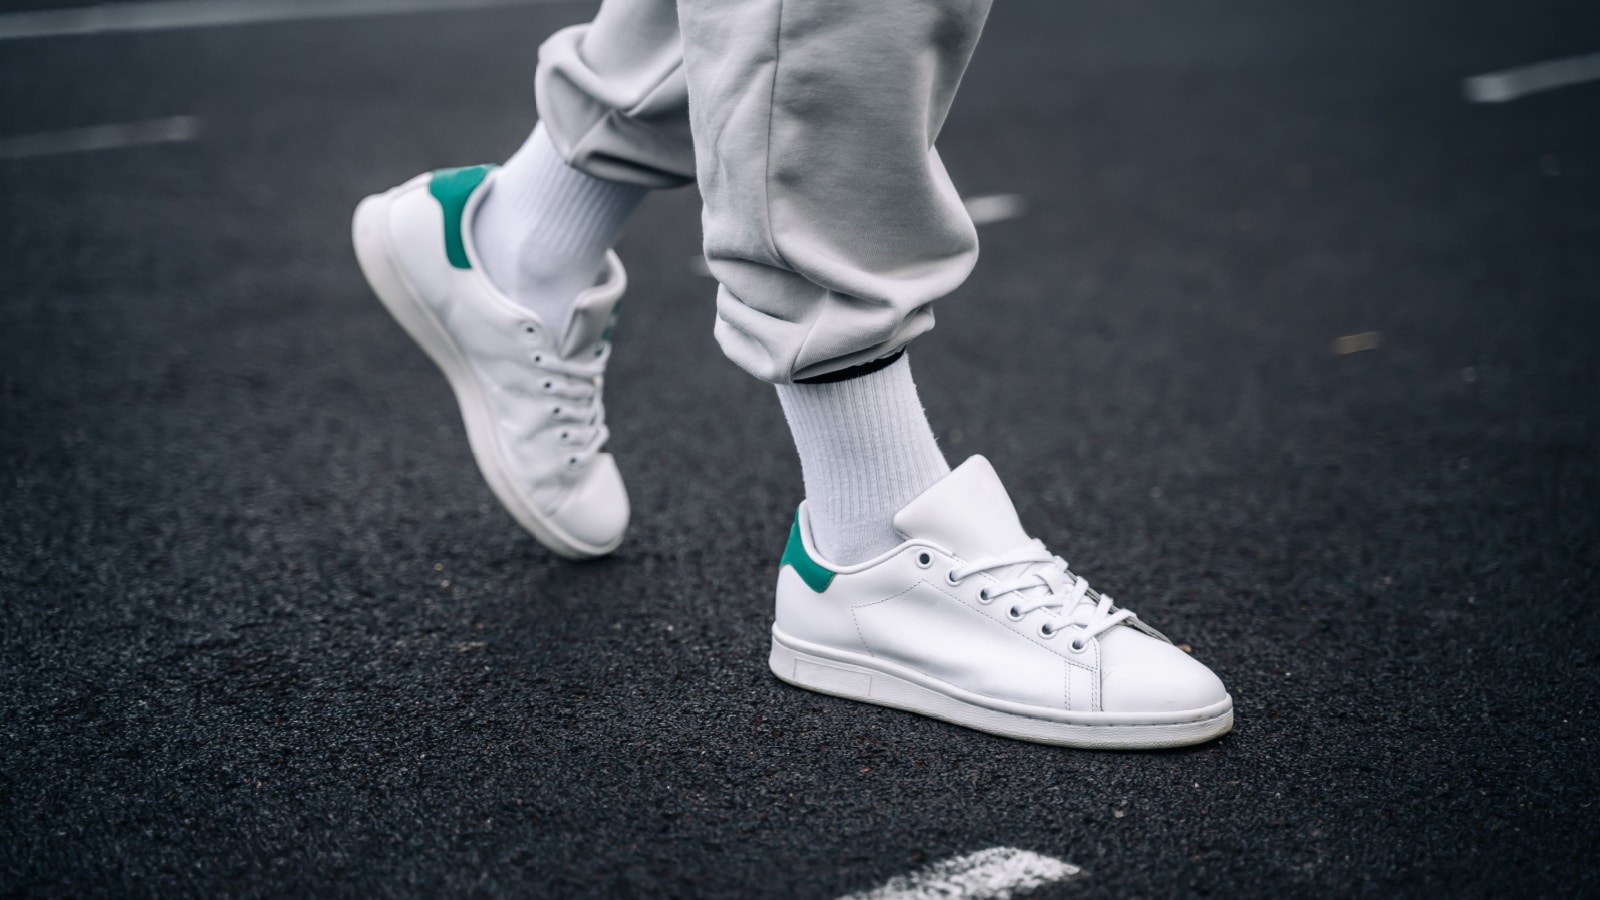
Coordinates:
[829,221]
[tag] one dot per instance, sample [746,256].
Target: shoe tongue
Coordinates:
[967,512]
[593,314]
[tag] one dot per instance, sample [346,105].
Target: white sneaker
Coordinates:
[529,393]
[972,622]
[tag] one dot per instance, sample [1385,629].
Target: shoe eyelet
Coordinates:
[951,579]
[1014,614]
[549,385]
[556,411]
[1078,645]
[924,560]
[572,462]
[1046,632]
[983,596]
[538,358]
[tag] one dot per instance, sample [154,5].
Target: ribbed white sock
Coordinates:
[866,450]
[543,230]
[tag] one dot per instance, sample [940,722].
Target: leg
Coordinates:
[613,124]
[831,226]
[829,220]
[612,95]
[506,280]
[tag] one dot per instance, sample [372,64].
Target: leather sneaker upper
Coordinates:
[531,391]
[971,601]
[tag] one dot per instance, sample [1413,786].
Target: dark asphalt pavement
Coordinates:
[265,631]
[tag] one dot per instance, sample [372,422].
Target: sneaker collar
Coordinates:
[588,327]
[589,322]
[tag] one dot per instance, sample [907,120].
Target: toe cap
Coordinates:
[595,512]
[1142,674]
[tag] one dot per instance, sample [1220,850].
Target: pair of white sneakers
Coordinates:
[968,620]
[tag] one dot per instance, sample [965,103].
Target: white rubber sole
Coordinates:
[370,234]
[855,676]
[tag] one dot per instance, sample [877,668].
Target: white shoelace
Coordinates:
[583,417]
[1046,583]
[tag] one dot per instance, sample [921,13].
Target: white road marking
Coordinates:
[1499,87]
[984,210]
[1357,343]
[998,873]
[101,137]
[990,208]
[161,15]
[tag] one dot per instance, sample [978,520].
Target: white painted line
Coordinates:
[998,873]
[1357,343]
[1499,87]
[990,208]
[101,137]
[161,15]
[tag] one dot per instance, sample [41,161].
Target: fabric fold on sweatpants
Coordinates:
[612,95]
[830,222]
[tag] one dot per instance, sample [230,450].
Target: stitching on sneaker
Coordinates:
[857,622]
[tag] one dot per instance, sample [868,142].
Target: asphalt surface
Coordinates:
[266,632]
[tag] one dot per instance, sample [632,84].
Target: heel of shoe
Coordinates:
[373,254]
[825,676]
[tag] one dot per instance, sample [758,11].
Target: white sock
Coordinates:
[543,230]
[866,450]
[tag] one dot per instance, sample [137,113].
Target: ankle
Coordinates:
[866,450]
[544,228]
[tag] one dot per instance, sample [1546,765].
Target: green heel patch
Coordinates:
[814,574]
[452,187]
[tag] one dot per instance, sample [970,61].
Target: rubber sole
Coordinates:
[858,677]
[370,234]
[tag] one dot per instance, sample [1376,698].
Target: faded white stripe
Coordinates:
[1357,343]
[990,208]
[169,14]
[1499,87]
[101,137]
[998,873]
